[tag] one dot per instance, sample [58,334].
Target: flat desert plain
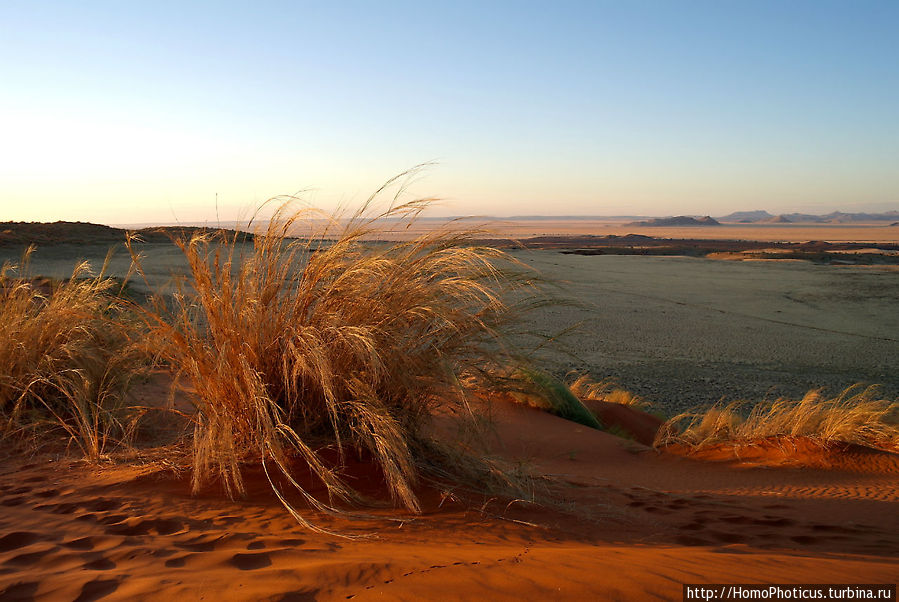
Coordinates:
[791,232]
[686,331]
[624,521]
[679,331]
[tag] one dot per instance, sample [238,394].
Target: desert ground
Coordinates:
[638,524]
[679,331]
[684,331]
[619,520]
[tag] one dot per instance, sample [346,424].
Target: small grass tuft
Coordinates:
[607,390]
[554,396]
[856,416]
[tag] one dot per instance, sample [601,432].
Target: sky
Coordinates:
[163,112]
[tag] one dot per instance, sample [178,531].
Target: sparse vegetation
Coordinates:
[856,416]
[64,357]
[299,353]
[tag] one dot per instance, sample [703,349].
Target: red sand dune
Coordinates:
[645,522]
[642,427]
[797,452]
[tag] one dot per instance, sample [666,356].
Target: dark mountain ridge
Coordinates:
[678,220]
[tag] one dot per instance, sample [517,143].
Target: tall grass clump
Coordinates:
[64,357]
[856,416]
[336,342]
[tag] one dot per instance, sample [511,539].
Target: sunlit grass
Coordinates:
[292,346]
[856,416]
[607,390]
[65,358]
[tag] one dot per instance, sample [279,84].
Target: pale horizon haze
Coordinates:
[124,112]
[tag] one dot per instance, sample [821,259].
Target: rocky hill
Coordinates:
[679,220]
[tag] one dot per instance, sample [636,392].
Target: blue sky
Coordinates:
[128,112]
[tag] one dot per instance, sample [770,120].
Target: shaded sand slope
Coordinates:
[648,523]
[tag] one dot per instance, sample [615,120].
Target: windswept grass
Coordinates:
[856,416]
[336,341]
[64,359]
[537,388]
[607,390]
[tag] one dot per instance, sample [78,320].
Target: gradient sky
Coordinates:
[127,112]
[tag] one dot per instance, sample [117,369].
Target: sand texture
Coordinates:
[637,524]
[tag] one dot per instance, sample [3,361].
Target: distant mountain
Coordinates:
[679,220]
[746,216]
[835,217]
[839,217]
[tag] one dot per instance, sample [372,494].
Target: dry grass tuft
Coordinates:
[855,416]
[64,360]
[334,341]
[606,390]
